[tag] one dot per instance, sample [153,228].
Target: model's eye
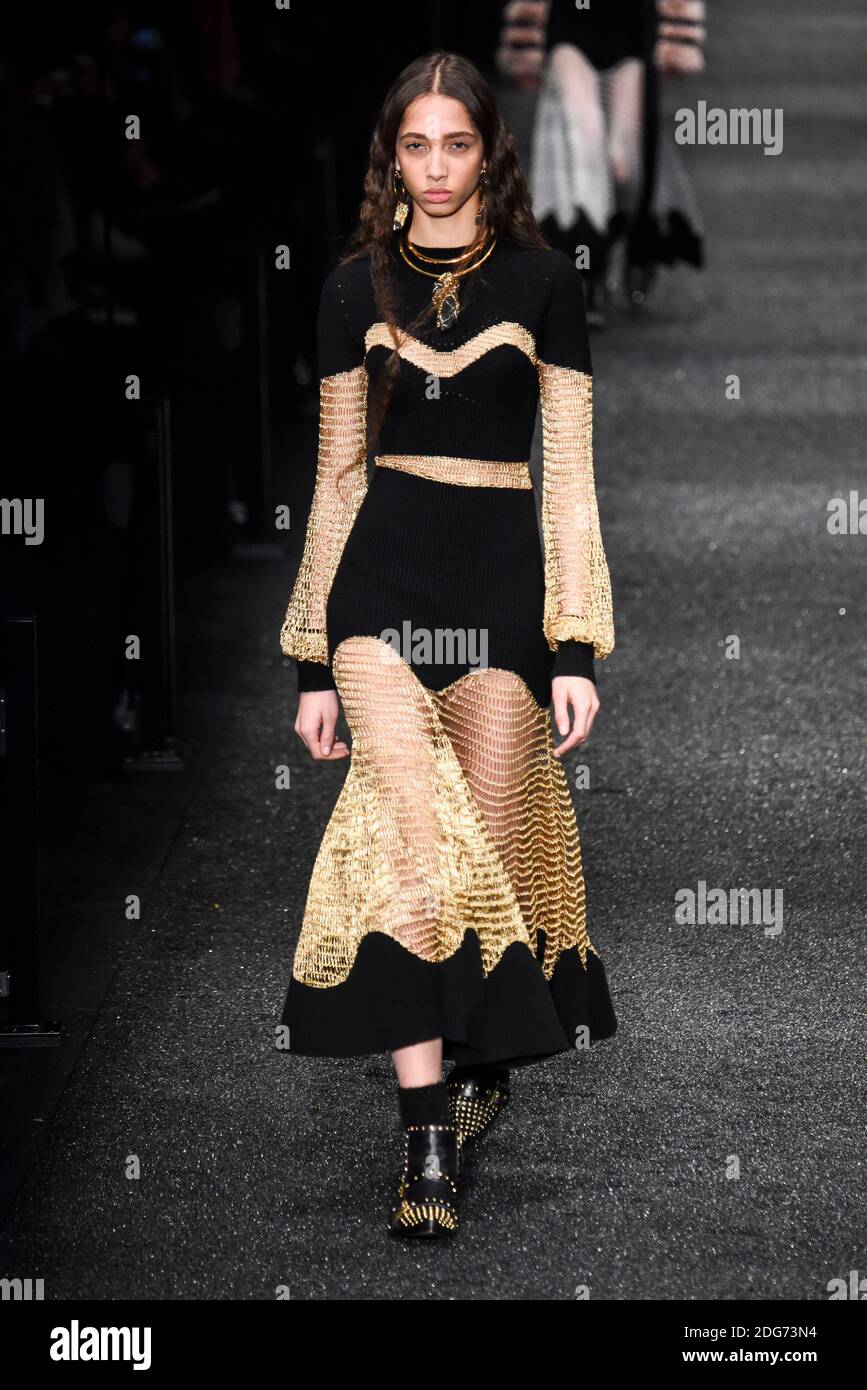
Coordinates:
[460,144]
[414,145]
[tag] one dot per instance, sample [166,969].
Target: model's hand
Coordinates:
[315,722]
[579,693]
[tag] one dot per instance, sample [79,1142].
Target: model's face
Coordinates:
[439,154]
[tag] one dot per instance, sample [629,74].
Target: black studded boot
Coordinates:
[477,1095]
[427,1195]
[428,1191]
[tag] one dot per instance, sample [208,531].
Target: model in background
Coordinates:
[603,169]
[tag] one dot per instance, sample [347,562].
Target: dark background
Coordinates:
[156,257]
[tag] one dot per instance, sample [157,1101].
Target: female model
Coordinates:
[445,913]
[604,166]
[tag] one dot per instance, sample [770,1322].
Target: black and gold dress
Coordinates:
[447,896]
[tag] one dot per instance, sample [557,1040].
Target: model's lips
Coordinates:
[437,195]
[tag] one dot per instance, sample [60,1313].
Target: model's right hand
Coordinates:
[315,723]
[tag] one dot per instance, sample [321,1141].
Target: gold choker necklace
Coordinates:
[446,295]
[444,260]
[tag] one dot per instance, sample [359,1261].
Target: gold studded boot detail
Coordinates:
[474,1104]
[428,1191]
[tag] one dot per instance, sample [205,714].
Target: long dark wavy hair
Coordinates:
[508,208]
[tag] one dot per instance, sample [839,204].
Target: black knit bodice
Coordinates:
[472,392]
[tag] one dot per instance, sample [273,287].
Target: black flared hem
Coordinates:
[658,238]
[393,999]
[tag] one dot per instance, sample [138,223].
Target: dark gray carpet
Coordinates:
[737,1051]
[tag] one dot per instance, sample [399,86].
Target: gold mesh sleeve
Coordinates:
[577,583]
[341,484]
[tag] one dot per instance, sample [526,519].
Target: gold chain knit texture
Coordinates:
[441,826]
[460,472]
[337,496]
[438,827]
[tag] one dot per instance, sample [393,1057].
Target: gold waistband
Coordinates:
[464,472]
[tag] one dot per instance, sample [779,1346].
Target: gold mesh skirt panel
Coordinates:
[454,816]
[502,740]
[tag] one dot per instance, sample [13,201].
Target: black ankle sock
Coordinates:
[480,1071]
[424,1105]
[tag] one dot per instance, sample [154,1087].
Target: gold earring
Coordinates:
[481,212]
[401,210]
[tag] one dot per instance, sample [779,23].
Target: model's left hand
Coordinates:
[579,693]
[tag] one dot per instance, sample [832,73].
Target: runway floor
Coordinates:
[714,1149]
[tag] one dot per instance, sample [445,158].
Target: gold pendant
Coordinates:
[447,301]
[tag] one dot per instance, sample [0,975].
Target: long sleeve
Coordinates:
[341,483]
[578,619]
